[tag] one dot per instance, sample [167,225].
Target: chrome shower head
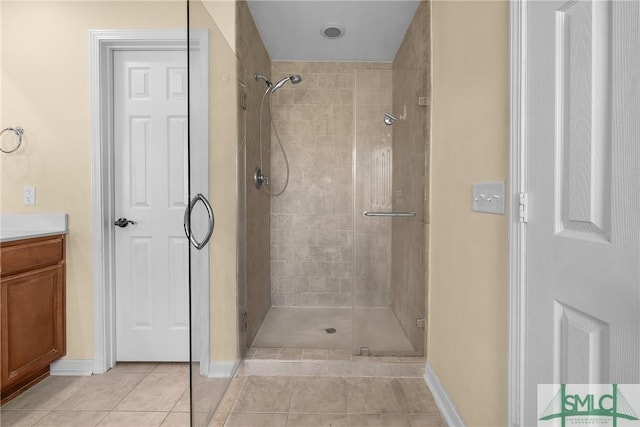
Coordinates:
[389,119]
[295,79]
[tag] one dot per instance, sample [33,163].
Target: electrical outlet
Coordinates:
[29,195]
[488,197]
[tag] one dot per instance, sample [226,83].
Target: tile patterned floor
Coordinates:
[324,402]
[145,394]
[131,394]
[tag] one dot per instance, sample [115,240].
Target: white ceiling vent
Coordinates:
[332,31]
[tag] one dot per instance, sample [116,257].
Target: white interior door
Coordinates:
[583,172]
[150,162]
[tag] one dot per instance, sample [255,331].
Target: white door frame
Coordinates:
[517,229]
[102,45]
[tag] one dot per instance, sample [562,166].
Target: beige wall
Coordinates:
[2,123]
[223,12]
[469,260]
[411,79]
[45,89]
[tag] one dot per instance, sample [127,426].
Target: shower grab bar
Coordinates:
[394,214]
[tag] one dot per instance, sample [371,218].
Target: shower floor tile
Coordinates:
[378,329]
[304,327]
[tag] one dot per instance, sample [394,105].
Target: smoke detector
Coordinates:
[332,31]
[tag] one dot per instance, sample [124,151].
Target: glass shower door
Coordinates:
[389,216]
[213,140]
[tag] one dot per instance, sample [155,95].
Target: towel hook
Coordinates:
[18,131]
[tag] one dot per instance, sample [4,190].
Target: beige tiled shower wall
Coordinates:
[312,222]
[254,59]
[411,147]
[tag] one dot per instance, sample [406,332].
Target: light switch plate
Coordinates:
[488,197]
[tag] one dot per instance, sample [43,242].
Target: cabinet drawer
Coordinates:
[31,254]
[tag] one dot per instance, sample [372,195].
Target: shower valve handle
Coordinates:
[259,179]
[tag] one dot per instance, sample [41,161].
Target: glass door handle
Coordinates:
[187,221]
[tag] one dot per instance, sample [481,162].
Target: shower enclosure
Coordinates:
[348,237]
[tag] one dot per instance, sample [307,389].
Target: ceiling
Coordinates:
[292,30]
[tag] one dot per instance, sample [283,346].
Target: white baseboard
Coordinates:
[443,401]
[71,367]
[222,369]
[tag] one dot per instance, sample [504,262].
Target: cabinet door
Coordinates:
[32,322]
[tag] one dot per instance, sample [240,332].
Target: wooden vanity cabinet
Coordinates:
[32,311]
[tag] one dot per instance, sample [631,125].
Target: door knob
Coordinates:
[123,222]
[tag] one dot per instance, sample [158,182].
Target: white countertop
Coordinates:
[29,226]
